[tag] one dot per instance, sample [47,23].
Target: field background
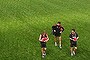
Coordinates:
[22,21]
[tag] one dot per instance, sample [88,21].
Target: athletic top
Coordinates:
[73,36]
[57,29]
[54,29]
[43,37]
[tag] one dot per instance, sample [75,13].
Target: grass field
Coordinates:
[22,21]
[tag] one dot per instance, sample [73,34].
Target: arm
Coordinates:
[61,29]
[77,36]
[53,29]
[40,38]
[47,38]
[75,39]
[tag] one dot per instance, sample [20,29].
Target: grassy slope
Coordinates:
[21,22]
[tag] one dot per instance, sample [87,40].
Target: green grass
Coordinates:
[22,21]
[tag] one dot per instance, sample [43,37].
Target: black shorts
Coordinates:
[73,43]
[58,34]
[43,44]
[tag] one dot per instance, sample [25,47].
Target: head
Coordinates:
[73,31]
[59,23]
[44,34]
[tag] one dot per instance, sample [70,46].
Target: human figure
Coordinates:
[43,38]
[57,29]
[73,42]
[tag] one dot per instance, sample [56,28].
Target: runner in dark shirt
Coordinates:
[57,29]
[73,41]
[43,39]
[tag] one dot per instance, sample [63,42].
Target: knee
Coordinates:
[75,47]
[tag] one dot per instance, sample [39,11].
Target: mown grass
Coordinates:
[21,22]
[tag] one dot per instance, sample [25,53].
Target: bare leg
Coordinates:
[74,52]
[55,40]
[71,49]
[60,41]
[42,50]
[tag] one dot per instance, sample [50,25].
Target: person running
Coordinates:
[73,42]
[57,29]
[43,39]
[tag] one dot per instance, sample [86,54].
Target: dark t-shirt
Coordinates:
[73,35]
[43,37]
[56,29]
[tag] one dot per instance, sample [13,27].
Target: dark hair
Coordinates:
[59,22]
[73,30]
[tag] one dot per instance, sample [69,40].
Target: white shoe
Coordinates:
[42,56]
[55,44]
[60,47]
[73,53]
